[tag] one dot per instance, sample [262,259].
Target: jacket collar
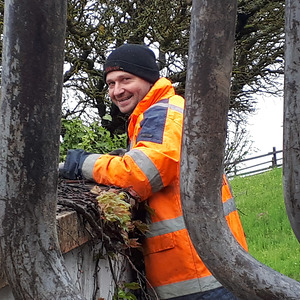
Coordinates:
[162,89]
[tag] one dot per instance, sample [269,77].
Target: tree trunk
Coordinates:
[207,96]
[291,128]
[29,134]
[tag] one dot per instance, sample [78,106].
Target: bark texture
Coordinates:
[207,96]
[291,128]
[29,135]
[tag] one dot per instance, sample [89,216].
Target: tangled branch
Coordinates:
[113,216]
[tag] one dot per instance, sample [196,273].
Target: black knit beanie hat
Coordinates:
[138,60]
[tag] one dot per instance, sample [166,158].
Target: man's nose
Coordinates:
[118,89]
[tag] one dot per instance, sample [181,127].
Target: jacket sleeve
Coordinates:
[154,159]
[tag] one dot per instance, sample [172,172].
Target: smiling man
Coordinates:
[130,73]
[151,168]
[126,90]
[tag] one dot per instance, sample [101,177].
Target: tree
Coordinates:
[258,59]
[96,26]
[90,36]
[207,102]
[29,152]
[29,134]
[291,160]
[258,54]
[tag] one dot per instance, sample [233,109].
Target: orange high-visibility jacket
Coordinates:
[151,169]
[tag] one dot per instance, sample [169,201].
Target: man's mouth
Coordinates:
[125,99]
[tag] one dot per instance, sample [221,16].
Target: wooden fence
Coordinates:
[260,164]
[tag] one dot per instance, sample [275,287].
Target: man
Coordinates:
[151,168]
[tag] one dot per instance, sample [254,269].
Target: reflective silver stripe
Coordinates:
[171,106]
[187,287]
[131,145]
[171,225]
[229,206]
[88,166]
[148,167]
[166,226]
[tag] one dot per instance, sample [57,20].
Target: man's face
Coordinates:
[126,90]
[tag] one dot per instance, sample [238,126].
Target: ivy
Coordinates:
[91,138]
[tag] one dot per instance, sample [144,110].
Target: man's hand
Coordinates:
[72,168]
[118,152]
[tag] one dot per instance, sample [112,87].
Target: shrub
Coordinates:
[91,138]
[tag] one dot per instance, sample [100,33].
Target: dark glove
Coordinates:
[118,152]
[71,169]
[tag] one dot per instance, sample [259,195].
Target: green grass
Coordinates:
[259,199]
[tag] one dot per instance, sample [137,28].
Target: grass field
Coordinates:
[259,199]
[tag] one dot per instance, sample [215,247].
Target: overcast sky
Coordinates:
[266,125]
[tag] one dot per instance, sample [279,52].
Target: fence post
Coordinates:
[274,159]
